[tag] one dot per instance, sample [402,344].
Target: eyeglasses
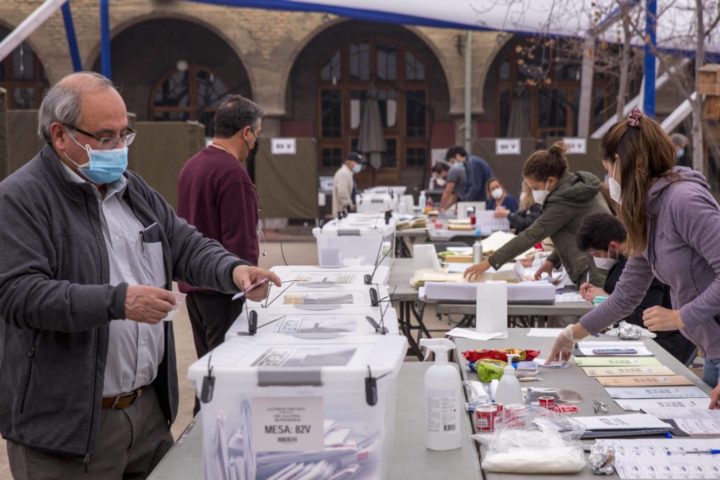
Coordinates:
[107,142]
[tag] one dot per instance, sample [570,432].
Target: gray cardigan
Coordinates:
[684,253]
[56,303]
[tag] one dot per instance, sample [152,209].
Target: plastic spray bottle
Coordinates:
[508,390]
[443,390]
[422,200]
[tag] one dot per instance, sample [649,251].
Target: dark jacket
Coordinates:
[522,219]
[56,303]
[657,295]
[576,196]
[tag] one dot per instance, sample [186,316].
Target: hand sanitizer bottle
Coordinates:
[443,390]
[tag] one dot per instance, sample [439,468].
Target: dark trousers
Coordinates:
[130,443]
[211,315]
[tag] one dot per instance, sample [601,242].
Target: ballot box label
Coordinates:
[507,146]
[283,146]
[287,424]
[577,146]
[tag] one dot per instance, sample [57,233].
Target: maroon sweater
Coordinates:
[216,194]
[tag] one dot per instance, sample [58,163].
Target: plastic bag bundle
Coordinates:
[544,443]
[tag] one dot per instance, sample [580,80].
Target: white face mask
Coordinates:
[497,193]
[614,186]
[605,263]
[679,152]
[540,195]
[441,181]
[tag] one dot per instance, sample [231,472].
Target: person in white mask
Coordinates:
[499,200]
[343,196]
[604,237]
[566,198]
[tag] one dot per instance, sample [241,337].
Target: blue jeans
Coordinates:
[711,371]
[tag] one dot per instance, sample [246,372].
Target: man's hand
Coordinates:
[474,272]
[589,291]
[659,319]
[147,304]
[245,276]
[715,398]
[501,212]
[547,267]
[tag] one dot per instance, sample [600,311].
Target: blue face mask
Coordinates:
[104,166]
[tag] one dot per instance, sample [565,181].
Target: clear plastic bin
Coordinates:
[299,405]
[344,246]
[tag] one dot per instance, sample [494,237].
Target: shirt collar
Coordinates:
[117,187]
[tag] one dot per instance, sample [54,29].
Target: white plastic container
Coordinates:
[443,405]
[312,274]
[376,202]
[508,390]
[342,246]
[277,404]
[321,295]
[319,323]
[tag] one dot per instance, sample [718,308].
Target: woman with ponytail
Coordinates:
[673,225]
[566,198]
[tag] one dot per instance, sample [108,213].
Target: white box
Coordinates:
[312,274]
[279,401]
[533,293]
[376,202]
[314,324]
[321,295]
[342,245]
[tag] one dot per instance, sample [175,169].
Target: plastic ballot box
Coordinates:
[284,408]
[312,275]
[323,294]
[311,322]
[341,244]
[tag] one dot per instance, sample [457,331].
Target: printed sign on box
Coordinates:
[507,146]
[287,424]
[283,146]
[577,146]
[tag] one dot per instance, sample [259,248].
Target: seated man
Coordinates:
[603,236]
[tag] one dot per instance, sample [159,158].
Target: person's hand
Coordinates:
[245,276]
[501,212]
[589,291]
[715,398]
[474,272]
[565,342]
[147,304]
[659,319]
[547,267]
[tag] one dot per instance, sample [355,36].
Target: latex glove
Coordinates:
[589,291]
[473,272]
[547,267]
[563,346]
[715,398]
[659,319]
[501,212]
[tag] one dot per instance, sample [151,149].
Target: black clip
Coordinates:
[208,384]
[367,278]
[388,216]
[252,323]
[374,299]
[371,394]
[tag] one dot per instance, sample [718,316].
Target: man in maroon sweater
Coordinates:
[216,194]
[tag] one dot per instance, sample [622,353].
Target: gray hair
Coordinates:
[61,103]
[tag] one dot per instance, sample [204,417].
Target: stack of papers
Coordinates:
[627,371]
[616,361]
[643,381]
[622,425]
[630,349]
[663,403]
[655,392]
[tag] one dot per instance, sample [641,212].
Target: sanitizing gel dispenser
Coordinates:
[508,390]
[443,390]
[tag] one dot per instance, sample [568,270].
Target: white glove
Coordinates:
[564,345]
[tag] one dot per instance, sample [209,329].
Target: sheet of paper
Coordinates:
[628,371]
[544,332]
[644,381]
[179,299]
[554,364]
[458,267]
[676,413]
[664,458]
[473,335]
[662,403]
[655,392]
[629,421]
[698,426]
[615,361]
[631,349]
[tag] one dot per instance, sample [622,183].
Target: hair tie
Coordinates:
[634,118]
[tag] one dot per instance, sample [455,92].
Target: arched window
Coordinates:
[24,78]
[192,93]
[399,75]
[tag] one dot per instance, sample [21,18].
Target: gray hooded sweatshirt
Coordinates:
[684,253]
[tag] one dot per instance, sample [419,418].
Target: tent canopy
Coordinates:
[570,18]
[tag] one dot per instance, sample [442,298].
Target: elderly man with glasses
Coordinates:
[88,382]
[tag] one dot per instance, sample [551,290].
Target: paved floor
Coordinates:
[296,253]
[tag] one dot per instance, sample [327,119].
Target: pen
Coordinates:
[711,451]
[250,288]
